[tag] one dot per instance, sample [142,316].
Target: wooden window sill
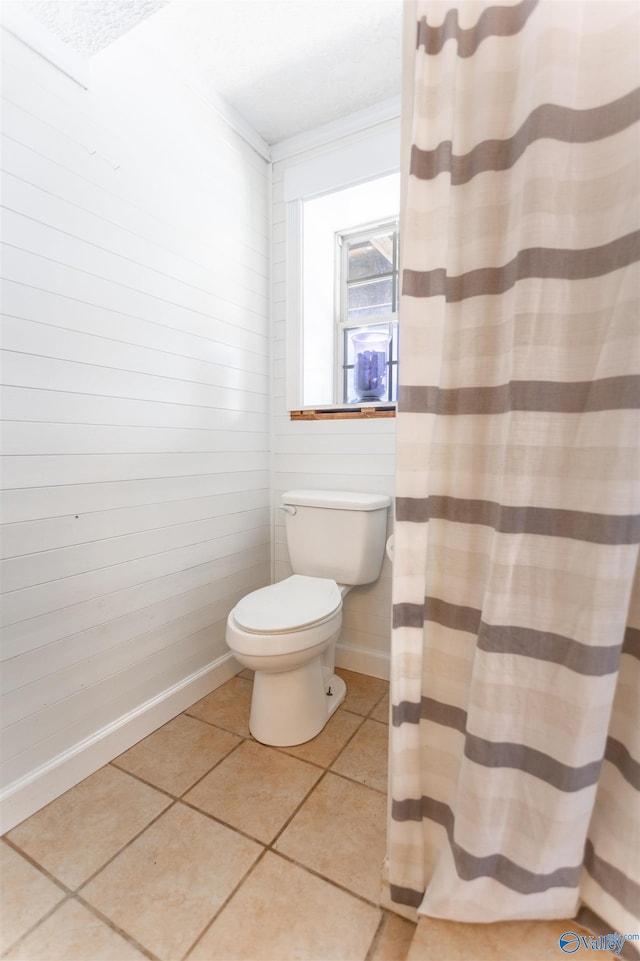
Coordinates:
[344,413]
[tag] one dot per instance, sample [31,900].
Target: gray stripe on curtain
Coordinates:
[531,761]
[469,867]
[546,521]
[611,880]
[539,262]
[496,866]
[608,393]
[538,199]
[631,644]
[492,22]
[592,660]
[408,896]
[519,756]
[618,755]
[548,120]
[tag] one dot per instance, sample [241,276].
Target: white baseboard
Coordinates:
[363,661]
[24,797]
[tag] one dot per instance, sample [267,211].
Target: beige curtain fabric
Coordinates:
[516,642]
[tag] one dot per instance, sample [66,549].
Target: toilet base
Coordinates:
[292,707]
[338,693]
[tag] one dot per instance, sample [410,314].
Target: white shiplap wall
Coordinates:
[352,455]
[136,380]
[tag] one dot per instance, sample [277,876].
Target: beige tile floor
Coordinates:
[437,940]
[201,844]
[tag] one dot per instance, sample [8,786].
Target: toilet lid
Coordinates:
[289,605]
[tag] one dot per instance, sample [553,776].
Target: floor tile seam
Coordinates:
[74,896]
[348,710]
[226,901]
[80,887]
[377,705]
[268,845]
[218,727]
[285,748]
[298,808]
[225,757]
[375,720]
[122,932]
[225,824]
[29,858]
[347,742]
[353,780]
[142,780]
[34,927]
[377,937]
[323,877]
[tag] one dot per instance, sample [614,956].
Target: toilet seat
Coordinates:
[292,605]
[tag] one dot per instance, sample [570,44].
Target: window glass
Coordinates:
[369,293]
[349,281]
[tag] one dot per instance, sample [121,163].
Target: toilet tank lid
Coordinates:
[336,500]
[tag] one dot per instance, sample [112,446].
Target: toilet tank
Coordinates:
[336,534]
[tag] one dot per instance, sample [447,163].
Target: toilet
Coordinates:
[287,632]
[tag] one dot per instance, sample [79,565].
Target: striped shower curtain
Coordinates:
[516,643]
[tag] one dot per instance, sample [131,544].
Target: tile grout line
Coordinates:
[70,894]
[271,847]
[226,901]
[138,945]
[74,894]
[377,937]
[66,892]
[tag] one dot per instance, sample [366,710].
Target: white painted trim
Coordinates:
[215,102]
[374,153]
[33,35]
[26,796]
[294,308]
[363,661]
[231,116]
[336,129]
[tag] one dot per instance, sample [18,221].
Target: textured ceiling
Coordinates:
[286,66]
[90,25]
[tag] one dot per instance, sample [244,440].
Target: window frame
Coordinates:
[342,325]
[349,171]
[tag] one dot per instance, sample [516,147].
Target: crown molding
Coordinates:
[353,123]
[236,121]
[36,37]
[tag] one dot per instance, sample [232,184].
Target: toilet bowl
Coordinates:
[286,633]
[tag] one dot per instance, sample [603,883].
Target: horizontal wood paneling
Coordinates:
[43,502]
[136,393]
[41,661]
[29,570]
[61,406]
[112,329]
[20,334]
[35,633]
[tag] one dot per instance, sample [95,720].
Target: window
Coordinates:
[367,293]
[342,297]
